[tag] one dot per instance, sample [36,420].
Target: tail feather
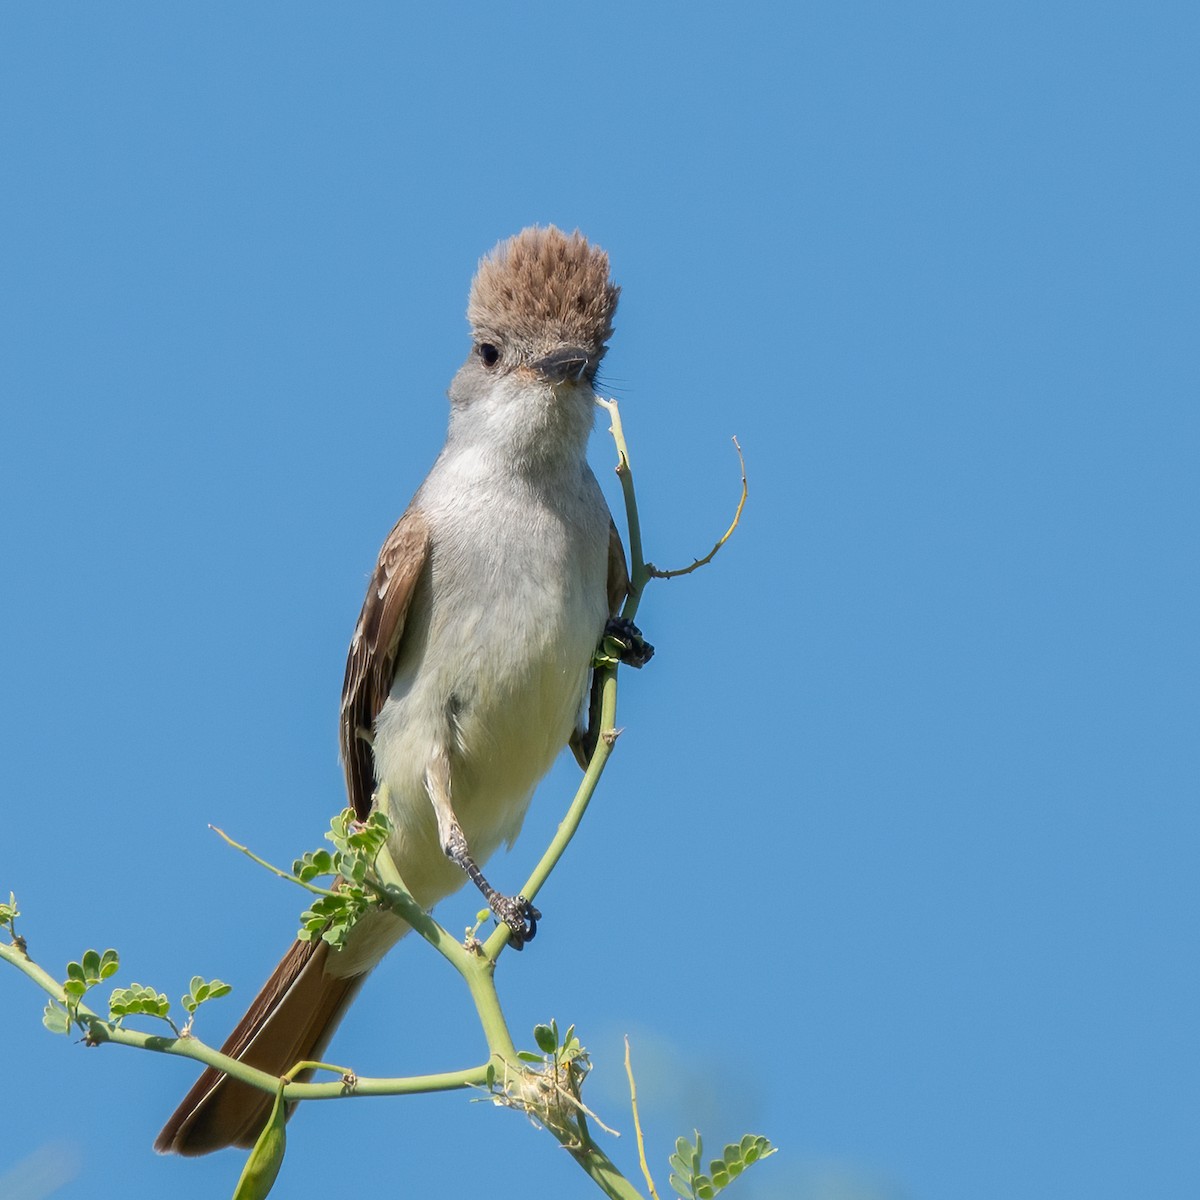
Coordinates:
[292,1019]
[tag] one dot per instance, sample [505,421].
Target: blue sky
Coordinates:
[896,861]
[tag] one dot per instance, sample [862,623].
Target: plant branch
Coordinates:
[654,572]
[100,1030]
[601,1169]
[262,862]
[638,573]
[637,1122]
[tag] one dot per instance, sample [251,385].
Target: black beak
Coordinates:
[569,363]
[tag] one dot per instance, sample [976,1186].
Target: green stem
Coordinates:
[401,902]
[480,978]
[262,862]
[602,1170]
[638,574]
[99,1031]
[404,1085]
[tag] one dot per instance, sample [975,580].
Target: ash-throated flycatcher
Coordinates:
[469,664]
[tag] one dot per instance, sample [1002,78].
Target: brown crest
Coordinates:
[543,285]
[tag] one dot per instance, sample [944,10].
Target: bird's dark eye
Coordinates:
[488,353]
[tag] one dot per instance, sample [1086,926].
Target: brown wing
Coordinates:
[583,741]
[618,572]
[373,649]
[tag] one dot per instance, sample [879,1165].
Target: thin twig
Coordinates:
[637,1122]
[654,571]
[262,862]
[638,574]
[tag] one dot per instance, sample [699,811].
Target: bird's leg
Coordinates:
[515,911]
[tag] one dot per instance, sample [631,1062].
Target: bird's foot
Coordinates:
[519,915]
[624,643]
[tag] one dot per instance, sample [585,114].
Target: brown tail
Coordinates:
[291,1019]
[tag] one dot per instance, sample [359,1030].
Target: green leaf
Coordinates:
[138,999]
[56,1018]
[369,838]
[687,1178]
[335,934]
[546,1039]
[686,1164]
[312,865]
[331,917]
[259,1174]
[681,1188]
[753,1147]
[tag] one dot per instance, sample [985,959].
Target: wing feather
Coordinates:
[371,663]
[583,740]
[618,572]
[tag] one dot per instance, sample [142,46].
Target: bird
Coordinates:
[468,670]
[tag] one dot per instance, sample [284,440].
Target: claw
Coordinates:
[520,916]
[633,649]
